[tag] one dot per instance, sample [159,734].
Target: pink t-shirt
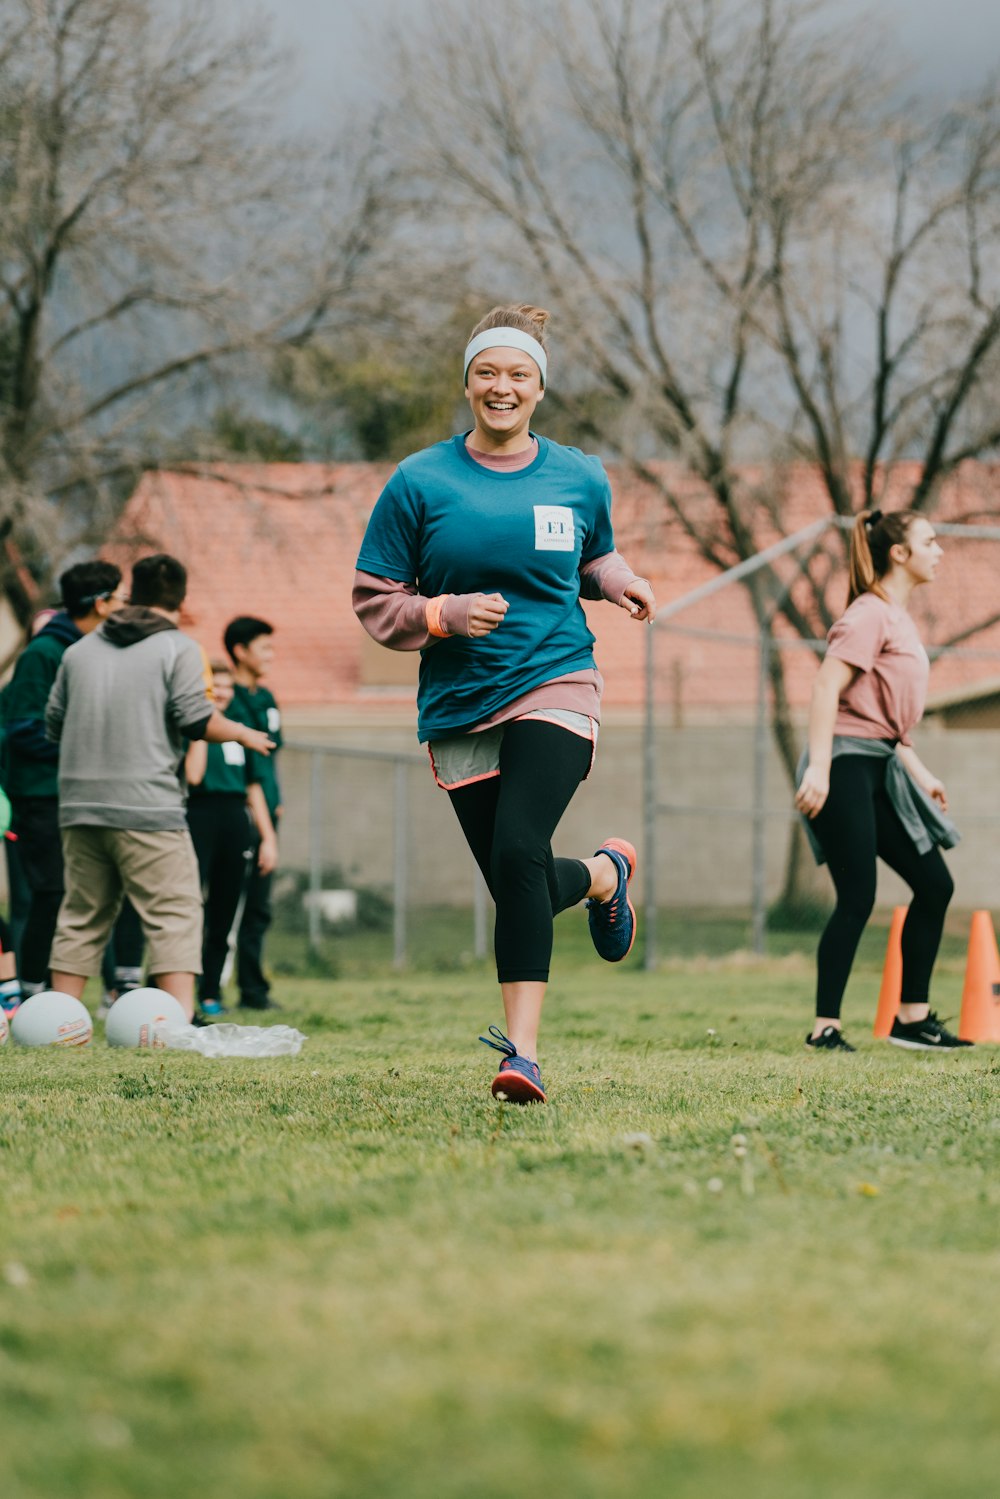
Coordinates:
[886,698]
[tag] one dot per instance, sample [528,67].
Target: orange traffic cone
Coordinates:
[981,994]
[892,975]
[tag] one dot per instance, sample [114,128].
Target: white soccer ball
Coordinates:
[141,1016]
[51,1019]
[4,1027]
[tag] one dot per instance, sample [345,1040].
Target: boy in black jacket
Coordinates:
[90,592]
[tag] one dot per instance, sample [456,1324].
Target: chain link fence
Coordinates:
[370,845]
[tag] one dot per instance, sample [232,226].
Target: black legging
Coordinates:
[508,822]
[857,824]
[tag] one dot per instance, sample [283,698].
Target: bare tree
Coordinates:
[154,230]
[753,247]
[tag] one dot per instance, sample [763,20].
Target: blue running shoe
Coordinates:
[212,1008]
[518,1080]
[612,922]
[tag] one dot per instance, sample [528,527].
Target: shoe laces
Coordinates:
[934,1022]
[501,1043]
[831,1038]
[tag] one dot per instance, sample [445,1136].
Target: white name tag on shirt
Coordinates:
[233,753]
[273,720]
[554,528]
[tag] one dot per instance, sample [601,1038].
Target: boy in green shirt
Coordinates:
[250,648]
[230,824]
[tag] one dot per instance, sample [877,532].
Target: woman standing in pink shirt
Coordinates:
[863,788]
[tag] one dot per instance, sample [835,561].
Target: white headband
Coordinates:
[505,338]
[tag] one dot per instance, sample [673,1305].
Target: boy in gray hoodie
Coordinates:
[125,703]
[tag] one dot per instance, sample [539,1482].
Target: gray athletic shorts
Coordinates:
[475,757]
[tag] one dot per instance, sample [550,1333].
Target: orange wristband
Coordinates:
[433,612]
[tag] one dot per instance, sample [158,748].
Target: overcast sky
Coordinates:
[952,43]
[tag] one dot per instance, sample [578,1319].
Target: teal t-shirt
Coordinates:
[446,524]
[259,710]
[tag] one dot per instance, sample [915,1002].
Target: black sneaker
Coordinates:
[924,1035]
[829,1039]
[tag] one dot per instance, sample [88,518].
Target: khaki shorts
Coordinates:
[157,871]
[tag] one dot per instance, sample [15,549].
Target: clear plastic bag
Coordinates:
[234,1040]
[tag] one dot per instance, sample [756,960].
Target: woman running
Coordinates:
[477,554]
[864,789]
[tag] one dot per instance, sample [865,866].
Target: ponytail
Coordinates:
[873,537]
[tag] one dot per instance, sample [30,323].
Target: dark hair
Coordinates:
[244,630]
[159,582]
[873,537]
[82,585]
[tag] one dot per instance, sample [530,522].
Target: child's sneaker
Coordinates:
[924,1035]
[211,1008]
[10,997]
[830,1039]
[518,1080]
[612,922]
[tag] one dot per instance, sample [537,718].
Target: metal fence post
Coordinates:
[399,897]
[651,799]
[315,848]
[759,843]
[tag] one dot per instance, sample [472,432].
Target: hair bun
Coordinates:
[524,316]
[536,315]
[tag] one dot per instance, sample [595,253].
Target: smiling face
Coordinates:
[503,387]
[920,556]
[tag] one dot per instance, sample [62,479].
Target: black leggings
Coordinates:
[508,822]
[857,824]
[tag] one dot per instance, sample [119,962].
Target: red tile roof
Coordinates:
[280,541]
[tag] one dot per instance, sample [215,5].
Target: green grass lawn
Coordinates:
[352,1273]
